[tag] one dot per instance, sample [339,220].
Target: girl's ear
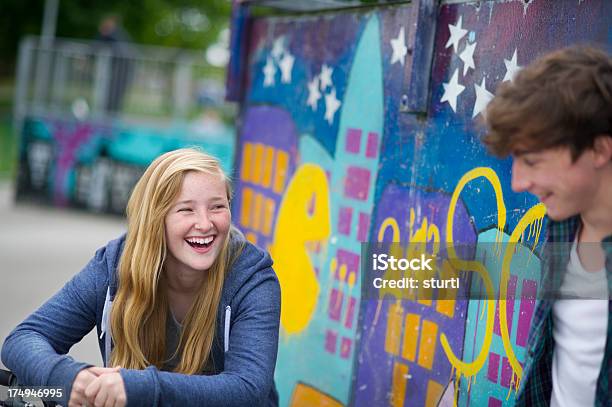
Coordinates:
[602,149]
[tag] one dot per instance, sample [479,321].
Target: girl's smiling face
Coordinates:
[197,224]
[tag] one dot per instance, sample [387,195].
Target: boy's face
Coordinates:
[566,188]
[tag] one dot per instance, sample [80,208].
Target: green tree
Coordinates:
[194,24]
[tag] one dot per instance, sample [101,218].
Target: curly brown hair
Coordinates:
[563,99]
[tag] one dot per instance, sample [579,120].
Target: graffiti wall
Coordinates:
[363,125]
[66,162]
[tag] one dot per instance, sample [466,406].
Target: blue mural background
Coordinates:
[386,171]
[360,125]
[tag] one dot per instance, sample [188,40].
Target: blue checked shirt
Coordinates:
[536,385]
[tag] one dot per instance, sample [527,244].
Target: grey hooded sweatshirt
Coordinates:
[242,358]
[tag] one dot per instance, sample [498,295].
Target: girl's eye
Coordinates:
[219,207]
[184,210]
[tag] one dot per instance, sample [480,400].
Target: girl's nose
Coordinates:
[203,222]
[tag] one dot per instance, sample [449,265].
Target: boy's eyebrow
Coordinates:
[518,153]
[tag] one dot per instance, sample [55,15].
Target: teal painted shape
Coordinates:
[302,355]
[525,265]
[141,145]
[38,129]
[138,146]
[293,364]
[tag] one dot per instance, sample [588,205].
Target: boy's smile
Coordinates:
[565,187]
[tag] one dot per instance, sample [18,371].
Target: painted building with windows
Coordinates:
[361,123]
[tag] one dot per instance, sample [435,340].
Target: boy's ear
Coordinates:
[602,148]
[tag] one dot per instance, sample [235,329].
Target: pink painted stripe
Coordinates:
[353,141]
[493,370]
[345,348]
[510,296]
[350,313]
[345,216]
[331,338]
[493,402]
[372,146]
[506,373]
[526,309]
[363,227]
[335,304]
[510,303]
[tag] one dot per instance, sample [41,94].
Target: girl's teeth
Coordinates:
[201,241]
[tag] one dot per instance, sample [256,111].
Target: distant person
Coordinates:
[192,308]
[555,120]
[112,34]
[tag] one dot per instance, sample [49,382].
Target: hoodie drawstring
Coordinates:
[105,328]
[228,315]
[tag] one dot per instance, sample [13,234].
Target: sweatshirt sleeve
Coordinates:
[36,349]
[248,373]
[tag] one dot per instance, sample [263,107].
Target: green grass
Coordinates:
[8,148]
[8,145]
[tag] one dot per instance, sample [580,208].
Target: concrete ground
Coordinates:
[41,248]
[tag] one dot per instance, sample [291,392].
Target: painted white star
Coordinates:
[286,67]
[313,93]
[452,89]
[512,68]
[467,56]
[269,71]
[278,48]
[456,33]
[326,76]
[483,97]
[332,104]
[399,48]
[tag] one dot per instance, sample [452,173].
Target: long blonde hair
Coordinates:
[140,308]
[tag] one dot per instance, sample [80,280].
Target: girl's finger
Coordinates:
[91,391]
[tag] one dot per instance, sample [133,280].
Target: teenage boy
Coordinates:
[555,120]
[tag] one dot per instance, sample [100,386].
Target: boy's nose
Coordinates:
[519,181]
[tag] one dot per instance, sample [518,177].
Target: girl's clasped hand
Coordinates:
[99,387]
